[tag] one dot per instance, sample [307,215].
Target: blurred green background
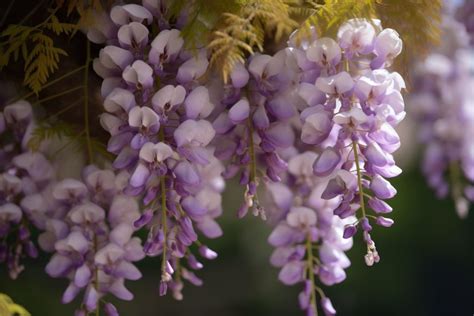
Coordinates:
[426,269]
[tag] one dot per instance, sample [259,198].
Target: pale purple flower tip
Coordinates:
[326,162]
[327,307]
[239,111]
[207,253]
[198,104]
[385,222]
[193,68]
[364,223]
[163,288]
[239,75]
[110,310]
[292,272]
[144,219]
[379,206]
[382,188]
[349,231]
[316,128]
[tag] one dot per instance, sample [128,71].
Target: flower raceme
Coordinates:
[157,112]
[444,108]
[92,240]
[349,105]
[352,109]
[24,180]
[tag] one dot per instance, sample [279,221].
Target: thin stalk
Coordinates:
[70,73]
[310,259]
[253,160]
[456,191]
[86,103]
[359,177]
[65,109]
[163,220]
[67,144]
[96,276]
[163,208]
[60,94]
[7,12]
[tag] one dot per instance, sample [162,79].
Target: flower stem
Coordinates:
[96,276]
[163,207]
[163,220]
[253,160]
[68,74]
[60,94]
[310,258]
[86,103]
[359,177]
[456,191]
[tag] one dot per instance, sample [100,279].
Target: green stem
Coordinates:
[310,259]
[67,144]
[163,220]
[96,275]
[51,97]
[65,109]
[163,208]
[456,191]
[359,177]
[253,160]
[86,102]
[70,73]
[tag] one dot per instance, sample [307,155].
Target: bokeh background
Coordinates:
[426,267]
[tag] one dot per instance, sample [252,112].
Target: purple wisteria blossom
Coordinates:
[25,177]
[308,240]
[351,108]
[443,104]
[92,240]
[257,108]
[157,110]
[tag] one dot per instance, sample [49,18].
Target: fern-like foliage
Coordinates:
[50,130]
[202,17]
[67,134]
[241,33]
[36,48]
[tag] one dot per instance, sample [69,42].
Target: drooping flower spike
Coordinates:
[25,177]
[157,112]
[92,239]
[308,240]
[442,103]
[351,110]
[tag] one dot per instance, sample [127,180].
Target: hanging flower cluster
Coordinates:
[309,238]
[444,107]
[352,110]
[156,116]
[24,177]
[254,123]
[91,236]
[349,105]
